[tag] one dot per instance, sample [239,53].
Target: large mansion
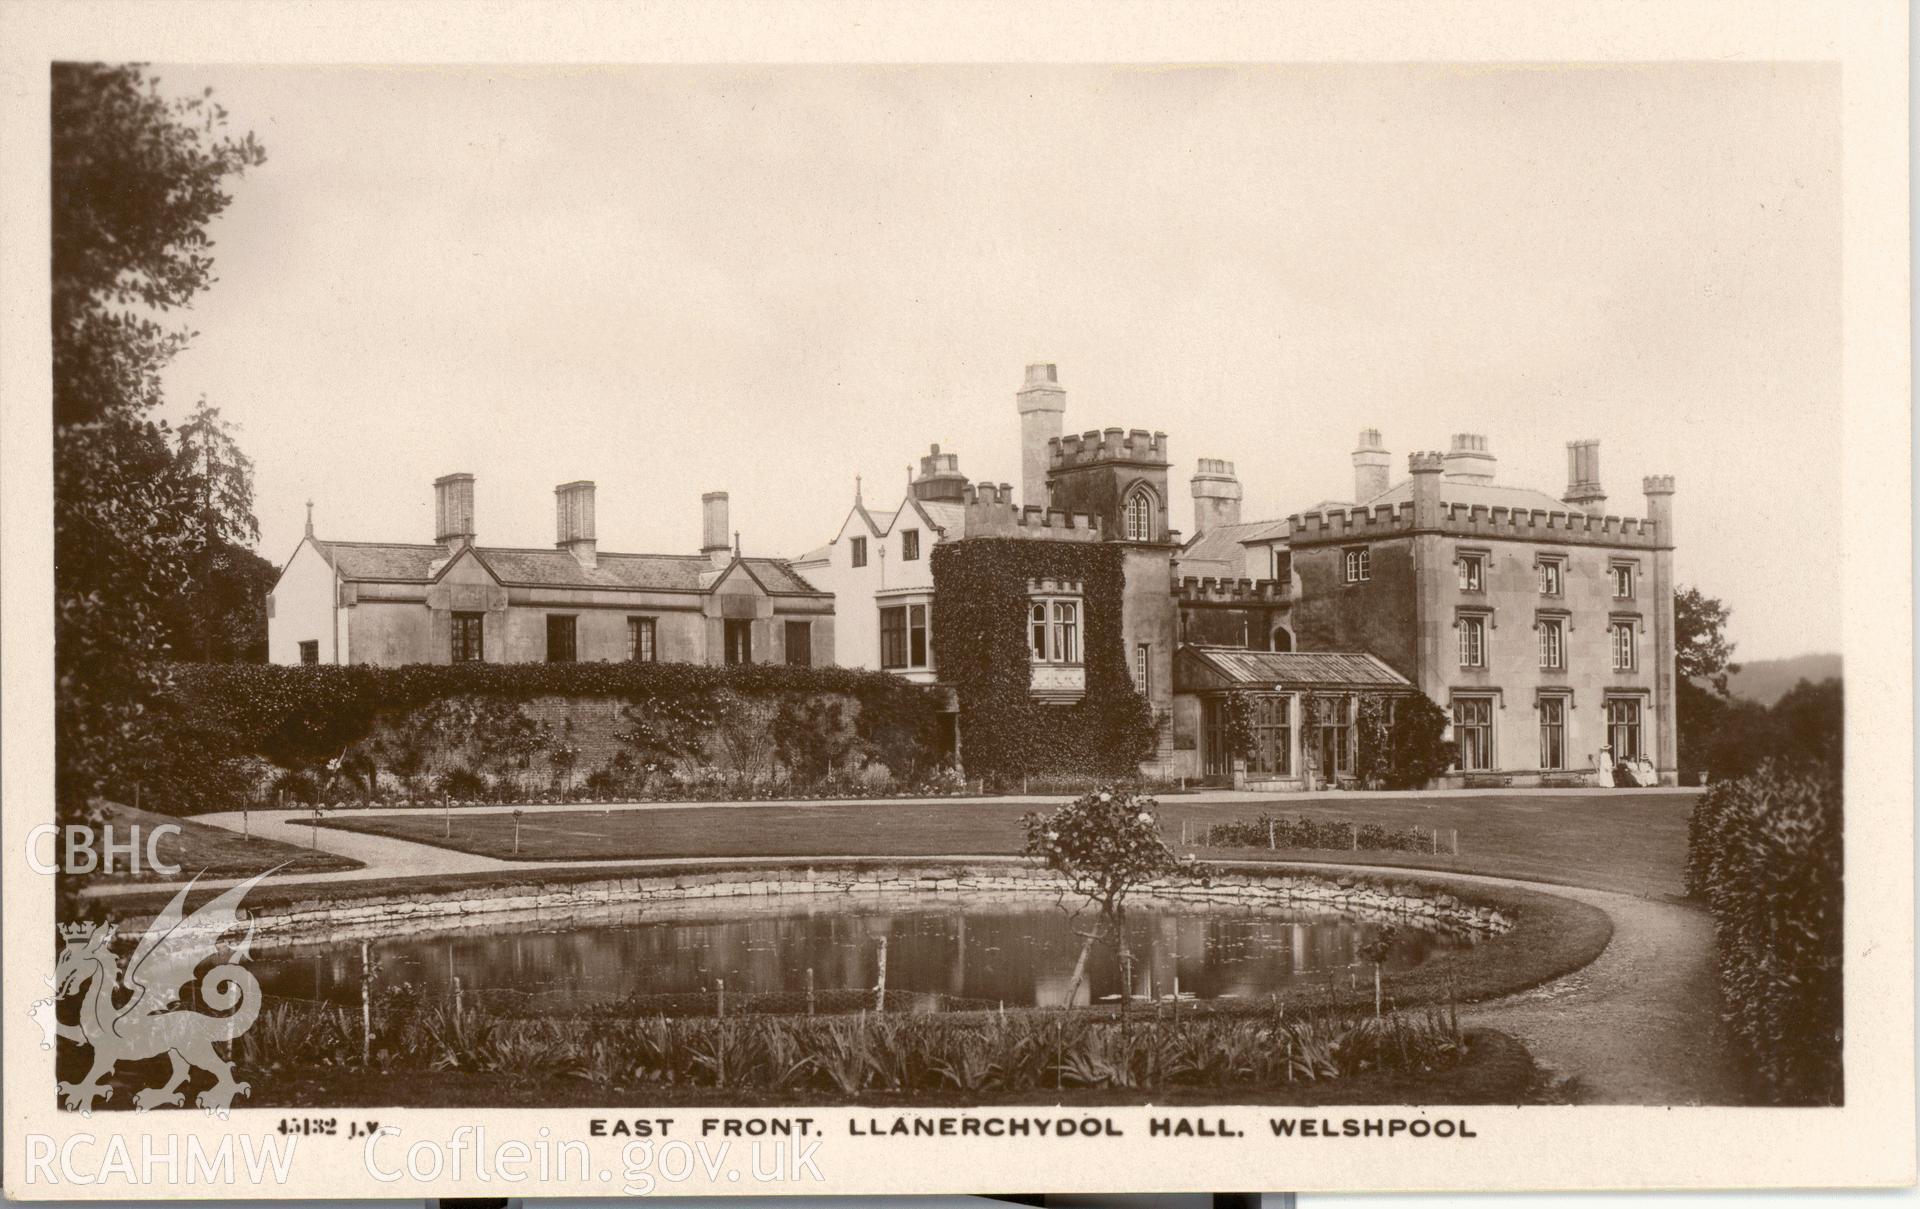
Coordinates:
[1539,622]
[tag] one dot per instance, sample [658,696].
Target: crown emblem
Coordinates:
[78,933]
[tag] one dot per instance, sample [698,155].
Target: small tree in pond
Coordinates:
[1105,845]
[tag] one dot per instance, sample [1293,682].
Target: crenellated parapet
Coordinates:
[991,512]
[1195,589]
[1109,445]
[1338,525]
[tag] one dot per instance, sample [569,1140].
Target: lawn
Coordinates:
[201,849]
[1634,843]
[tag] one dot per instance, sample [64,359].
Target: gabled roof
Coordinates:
[949,518]
[395,562]
[1215,667]
[1220,551]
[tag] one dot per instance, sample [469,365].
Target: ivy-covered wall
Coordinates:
[980,632]
[218,720]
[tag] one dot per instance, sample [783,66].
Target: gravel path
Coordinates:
[1640,1025]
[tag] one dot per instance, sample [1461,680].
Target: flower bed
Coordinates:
[1269,831]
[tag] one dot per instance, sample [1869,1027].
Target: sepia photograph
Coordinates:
[1051,605]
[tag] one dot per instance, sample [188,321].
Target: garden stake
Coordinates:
[880,989]
[722,984]
[366,1007]
[459,999]
[1456,841]
[246,827]
[809,990]
[1270,843]
[1354,828]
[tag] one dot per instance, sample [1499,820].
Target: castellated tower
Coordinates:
[1043,409]
[1216,495]
[1371,463]
[1117,475]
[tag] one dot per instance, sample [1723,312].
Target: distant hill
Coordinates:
[1767,680]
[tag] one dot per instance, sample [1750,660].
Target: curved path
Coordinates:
[1639,1025]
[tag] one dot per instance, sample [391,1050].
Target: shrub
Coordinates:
[297,785]
[462,783]
[1765,853]
[217,717]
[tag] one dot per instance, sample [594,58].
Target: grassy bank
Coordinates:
[1627,842]
[203,849]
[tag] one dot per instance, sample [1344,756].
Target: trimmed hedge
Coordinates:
[215,717]
[980,622]
[1765,853]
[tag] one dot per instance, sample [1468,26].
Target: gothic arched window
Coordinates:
[1137,515]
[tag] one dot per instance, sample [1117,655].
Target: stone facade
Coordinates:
[457,601]
[1543,626]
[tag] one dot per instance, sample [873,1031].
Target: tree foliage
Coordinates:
[136,177]
[1700,647]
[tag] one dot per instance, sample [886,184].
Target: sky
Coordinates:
[770,280]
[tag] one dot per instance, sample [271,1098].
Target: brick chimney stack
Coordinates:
[1583,476]
[1371,465]
[714,528]
[1043,409]
[453,511]
[1216,495]
[573,521]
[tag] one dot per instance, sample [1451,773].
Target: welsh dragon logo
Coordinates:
[147,1019]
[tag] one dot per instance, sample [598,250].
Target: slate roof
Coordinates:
[1221,551]
[1493,495]
[395,562]
[1294,669]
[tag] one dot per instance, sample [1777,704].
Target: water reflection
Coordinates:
[1017,950]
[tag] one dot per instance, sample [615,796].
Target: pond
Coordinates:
[976,950]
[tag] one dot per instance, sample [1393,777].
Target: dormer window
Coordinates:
[909,545]
[1137,515]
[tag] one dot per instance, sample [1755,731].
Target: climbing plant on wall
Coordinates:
[980,610]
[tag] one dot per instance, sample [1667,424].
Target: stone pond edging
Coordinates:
[1391,901]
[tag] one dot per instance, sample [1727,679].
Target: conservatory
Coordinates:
[1278,720]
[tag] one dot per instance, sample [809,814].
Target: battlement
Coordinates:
[1052,586]
[1193,589]
[1657,484]
[991,512]
[1430,462]
[1108,445]
[1474,520]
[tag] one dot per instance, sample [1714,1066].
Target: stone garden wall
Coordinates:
[1387,900]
